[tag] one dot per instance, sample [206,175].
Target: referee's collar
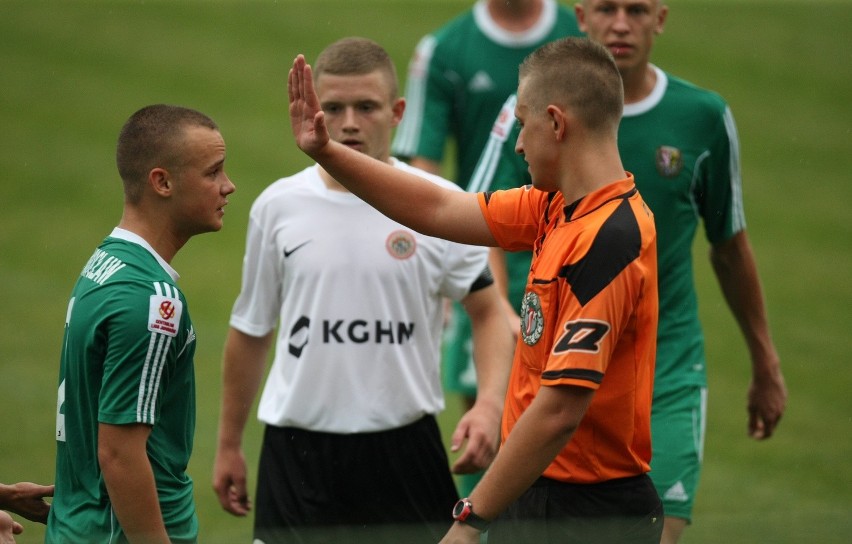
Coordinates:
[623,188]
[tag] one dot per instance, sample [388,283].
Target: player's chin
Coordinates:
[215,224]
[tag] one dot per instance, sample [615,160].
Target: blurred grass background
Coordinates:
[72,72]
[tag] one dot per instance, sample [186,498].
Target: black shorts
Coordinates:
[621,511]
[389,486]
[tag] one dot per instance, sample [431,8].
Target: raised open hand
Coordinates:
[306,116]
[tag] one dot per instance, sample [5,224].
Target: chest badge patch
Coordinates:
[401,244]
[532,319]
[669,161]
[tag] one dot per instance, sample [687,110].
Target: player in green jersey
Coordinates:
[458,77]
[125,414]
[680,142]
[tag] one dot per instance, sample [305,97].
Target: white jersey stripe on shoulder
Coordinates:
[155,359]
[151,373]
[167,340]
[142,396]
[487,165]
[408,132]
[483,175]
[737,211]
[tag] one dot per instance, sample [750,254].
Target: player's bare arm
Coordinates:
[497,262]
[243,367]
[493,342]
[736,269]
[129,479]
[405,198]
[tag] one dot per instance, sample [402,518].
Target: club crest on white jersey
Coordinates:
[401,244]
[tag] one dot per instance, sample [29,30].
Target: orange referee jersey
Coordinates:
[588,319]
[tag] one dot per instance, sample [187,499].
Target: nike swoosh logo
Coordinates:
[288,253]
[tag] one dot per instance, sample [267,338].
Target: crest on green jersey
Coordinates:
[669,161]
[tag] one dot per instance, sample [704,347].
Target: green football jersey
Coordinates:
[459,77]
[127,358]
[681,145]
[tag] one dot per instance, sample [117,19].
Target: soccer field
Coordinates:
[72,72]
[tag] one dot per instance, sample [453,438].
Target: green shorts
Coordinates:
[457,368]
[678,423]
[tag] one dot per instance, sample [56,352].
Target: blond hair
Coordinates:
[354,57]
[577,74]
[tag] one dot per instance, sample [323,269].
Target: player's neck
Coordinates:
[158,234]
[516,15]
[586,171]
[330,183]
[638,83]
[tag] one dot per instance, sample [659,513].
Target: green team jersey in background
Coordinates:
[681,145]
[459,77]
[127,358]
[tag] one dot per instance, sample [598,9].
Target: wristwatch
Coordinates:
[463,512]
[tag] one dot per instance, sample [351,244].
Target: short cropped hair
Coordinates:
[355,57]
[153,137]
[578,74]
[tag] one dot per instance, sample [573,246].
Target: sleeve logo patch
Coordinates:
[164,315]
[583,335]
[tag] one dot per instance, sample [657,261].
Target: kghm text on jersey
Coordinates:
[358,331]
[101,267]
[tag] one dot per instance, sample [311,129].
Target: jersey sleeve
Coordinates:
[142,338]
[256,309]
[514,215]
[429,102]
[719,187]
[465,266]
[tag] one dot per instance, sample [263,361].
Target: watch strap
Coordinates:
[463,512]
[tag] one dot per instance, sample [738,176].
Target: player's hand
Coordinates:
[229,481]
[8,528]
[461,533]
[306,117]
[479,428]
[767,399]
[27,499]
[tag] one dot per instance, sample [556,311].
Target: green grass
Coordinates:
[73,71]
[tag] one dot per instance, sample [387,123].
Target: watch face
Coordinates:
[460,509]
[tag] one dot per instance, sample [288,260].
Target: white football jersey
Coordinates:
[357,299]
